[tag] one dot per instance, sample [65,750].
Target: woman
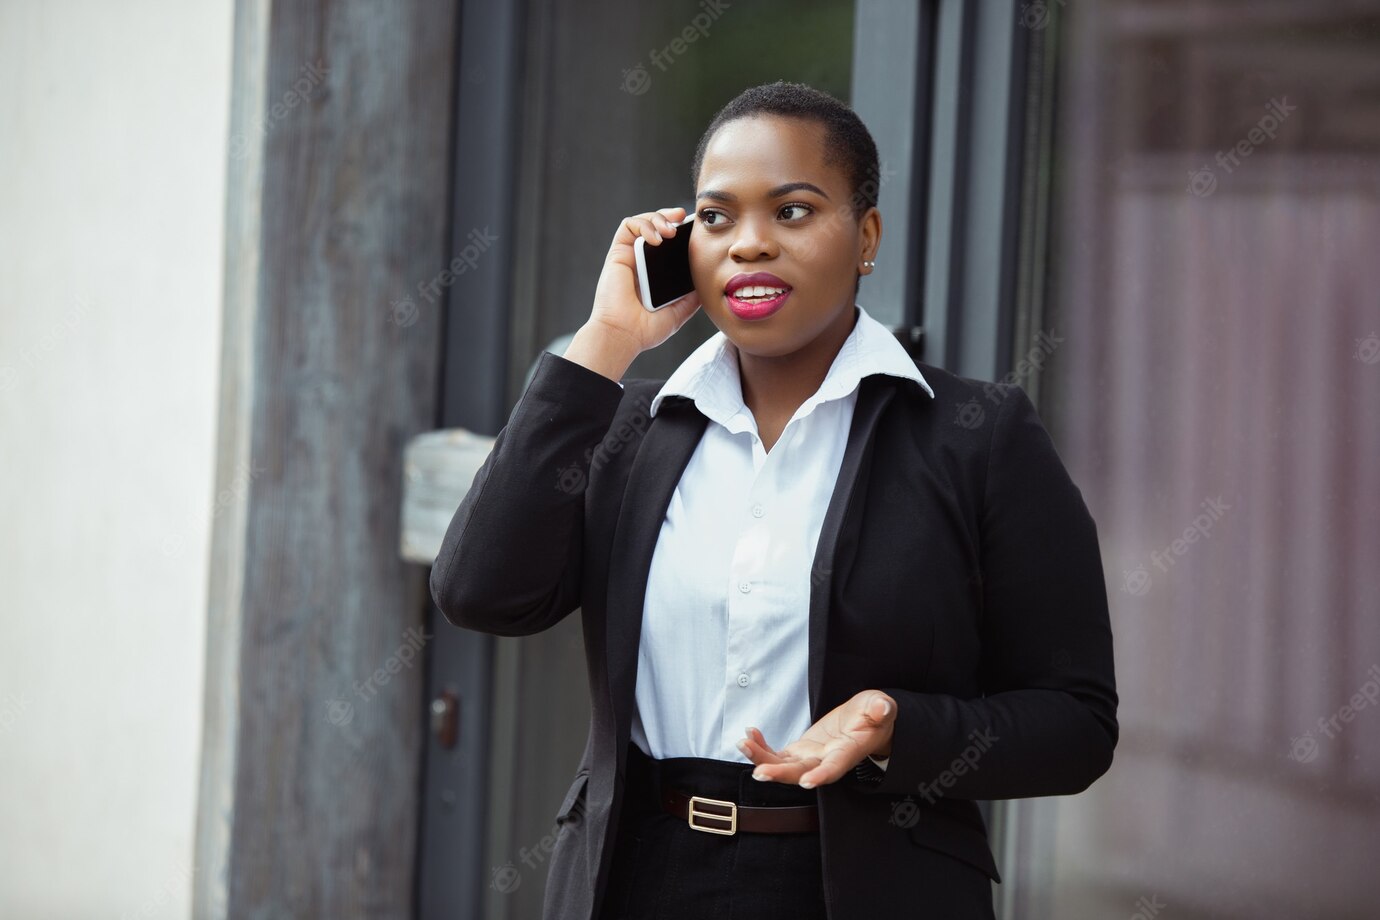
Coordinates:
[824,609]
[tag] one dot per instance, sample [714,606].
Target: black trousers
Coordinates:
[665,870]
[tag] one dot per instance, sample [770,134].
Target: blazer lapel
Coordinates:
[665,451]
[657,467]
[874,392]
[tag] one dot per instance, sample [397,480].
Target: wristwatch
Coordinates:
[868,772]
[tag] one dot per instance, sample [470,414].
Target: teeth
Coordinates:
[756,291]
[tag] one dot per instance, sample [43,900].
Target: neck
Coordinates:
[774,387]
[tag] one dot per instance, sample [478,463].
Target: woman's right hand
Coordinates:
[617,307]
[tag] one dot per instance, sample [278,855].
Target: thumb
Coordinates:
[879,709]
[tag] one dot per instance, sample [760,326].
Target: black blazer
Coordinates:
[957,570]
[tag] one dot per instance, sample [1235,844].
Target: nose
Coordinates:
[751,241]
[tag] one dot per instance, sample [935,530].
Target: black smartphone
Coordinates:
[663,270]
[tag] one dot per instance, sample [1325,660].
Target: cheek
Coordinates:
[702,262]
[824,251]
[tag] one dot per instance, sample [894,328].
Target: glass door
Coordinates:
[1215,390]
[596,112]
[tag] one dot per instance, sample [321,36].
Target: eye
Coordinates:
[796,204]
[703,214]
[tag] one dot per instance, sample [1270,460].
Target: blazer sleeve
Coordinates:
[1046,723]
[511,560]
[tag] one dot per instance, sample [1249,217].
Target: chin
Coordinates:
[764,345]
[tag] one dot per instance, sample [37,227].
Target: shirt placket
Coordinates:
[748,599]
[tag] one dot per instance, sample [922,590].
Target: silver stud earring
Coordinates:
[870,263]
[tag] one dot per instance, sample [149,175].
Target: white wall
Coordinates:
[113,131]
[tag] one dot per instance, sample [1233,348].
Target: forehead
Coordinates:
[746,156]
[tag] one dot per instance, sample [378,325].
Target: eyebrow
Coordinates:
[777,192]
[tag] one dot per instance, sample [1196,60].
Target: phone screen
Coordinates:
[667,267]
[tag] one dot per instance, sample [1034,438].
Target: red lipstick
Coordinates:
[757,304]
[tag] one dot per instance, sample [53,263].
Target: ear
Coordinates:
[869,234]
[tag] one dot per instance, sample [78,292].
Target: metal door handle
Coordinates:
[445,718]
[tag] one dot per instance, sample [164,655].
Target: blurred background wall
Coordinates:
[112,196]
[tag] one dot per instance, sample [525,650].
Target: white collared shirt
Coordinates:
[725,624]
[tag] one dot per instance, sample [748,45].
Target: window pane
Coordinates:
[1217,397]
[629,88]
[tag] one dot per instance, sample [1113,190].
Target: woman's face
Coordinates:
[766,202]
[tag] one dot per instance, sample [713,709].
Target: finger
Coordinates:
[788,771]
[754,752]
[830,768]
[755,747]
[658,223]
[873,715]
[878,708]
[793,761]
[665,220]
[647,226]
[633,227]
[755,734]
[778,772]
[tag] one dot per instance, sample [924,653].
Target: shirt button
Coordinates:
[744,587]
[743,679]
[758,511]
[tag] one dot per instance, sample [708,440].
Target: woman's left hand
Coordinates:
[831,747]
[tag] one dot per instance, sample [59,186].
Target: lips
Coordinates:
[759,279]
[751,284]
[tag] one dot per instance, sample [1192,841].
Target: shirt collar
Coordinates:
[709,376]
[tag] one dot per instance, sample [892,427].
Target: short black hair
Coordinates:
[847,142]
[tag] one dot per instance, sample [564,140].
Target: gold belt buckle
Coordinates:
[731,817]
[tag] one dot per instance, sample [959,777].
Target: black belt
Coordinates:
[720,816]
